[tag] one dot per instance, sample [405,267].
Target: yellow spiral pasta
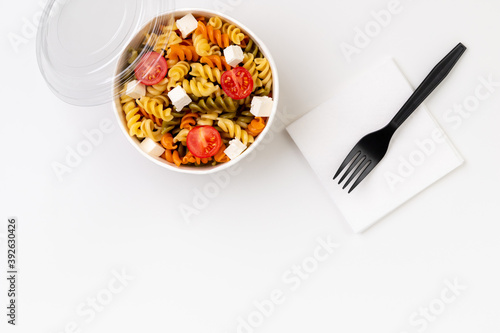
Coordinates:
[234,33]
[265,75]
[157,89]
[132,116]
[166,40]
[172,62]
[155,107]
[199,87]
[162,99]
[172,26]
[215,22]
[177,73]
[214,104]
[250,65]
[215,50]
[207,119]
[149,129]
[181,136]
[201,45]
[206,72]
[235,131]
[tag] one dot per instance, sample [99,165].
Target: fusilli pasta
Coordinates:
[197,65]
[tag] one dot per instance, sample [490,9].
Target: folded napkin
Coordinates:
[419,154]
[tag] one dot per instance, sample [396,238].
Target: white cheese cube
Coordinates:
[187,25]
[179,98]
[152,148]
[135,89]
[262,106]
[235,149]
[233,55]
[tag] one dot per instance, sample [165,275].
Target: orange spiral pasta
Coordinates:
[167,141]
[168,156]
[203,160]
[183,52]
[221,157]
[188,158]
[216,61]
[172,156]
[187,42]
[213,35]
[256,126]
[188,121]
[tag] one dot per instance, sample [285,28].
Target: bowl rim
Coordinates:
[220,167]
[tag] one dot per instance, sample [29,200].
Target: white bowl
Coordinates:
[192,169]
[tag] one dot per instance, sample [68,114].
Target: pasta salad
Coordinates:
[200,92]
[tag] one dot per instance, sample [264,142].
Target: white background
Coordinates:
[117,211]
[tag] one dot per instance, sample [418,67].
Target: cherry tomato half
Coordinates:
[204,141]
[237,83]
[151,69]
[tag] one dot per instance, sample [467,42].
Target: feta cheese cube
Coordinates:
[233,55]
[179,98]
[152,148]
[187,25]
[262,106]
[235,149]
[135,89]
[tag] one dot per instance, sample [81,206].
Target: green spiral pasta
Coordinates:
[244,119]
[214,104]
[253,49]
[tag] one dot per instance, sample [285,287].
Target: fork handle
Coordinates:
[431,82]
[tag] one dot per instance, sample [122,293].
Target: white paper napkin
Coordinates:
[419,154]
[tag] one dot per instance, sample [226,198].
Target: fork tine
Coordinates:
[365,173]
[356,172]
[358,160]
[348,159]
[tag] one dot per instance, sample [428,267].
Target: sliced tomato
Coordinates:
[237,83]
[204,141]
[151,69]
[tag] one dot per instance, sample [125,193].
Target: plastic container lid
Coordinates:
[79,44]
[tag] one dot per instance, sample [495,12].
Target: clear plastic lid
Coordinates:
[80,43]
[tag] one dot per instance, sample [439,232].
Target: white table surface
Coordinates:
[118,212]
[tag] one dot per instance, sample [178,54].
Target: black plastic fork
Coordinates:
[371,149]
